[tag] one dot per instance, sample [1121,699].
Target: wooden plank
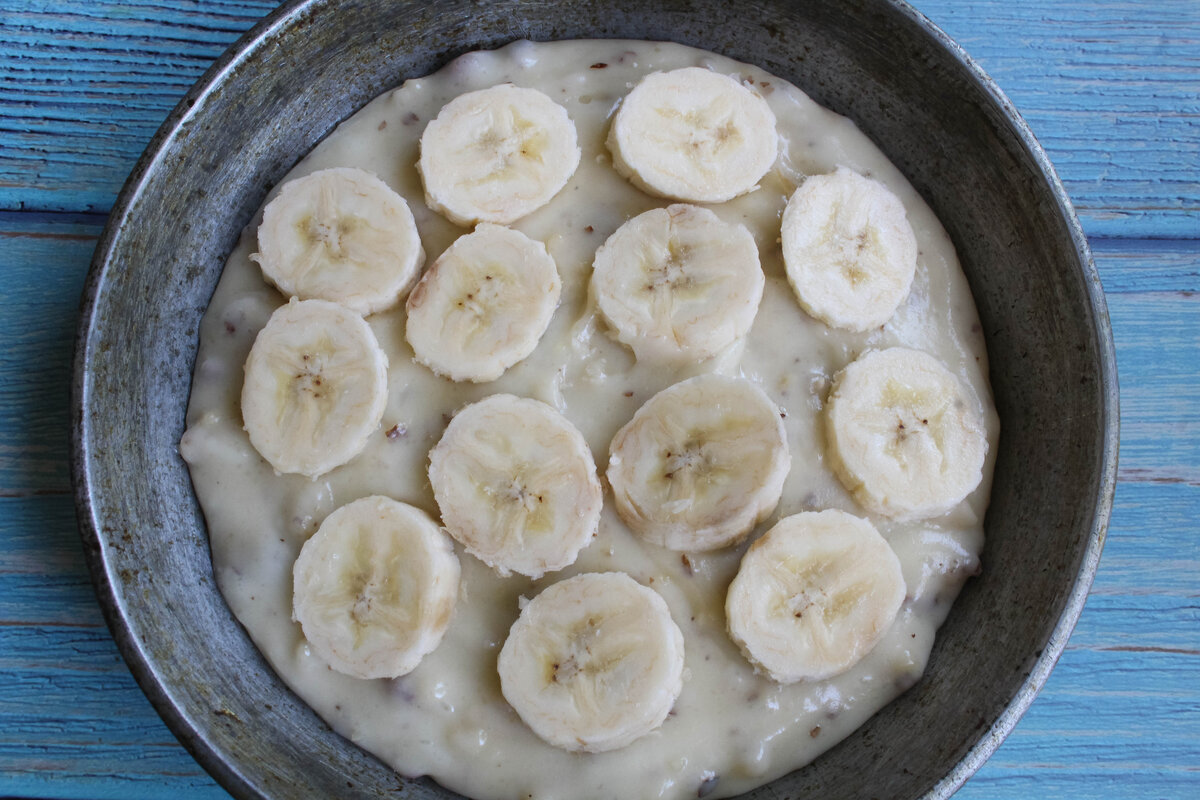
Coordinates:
[1147,265]
[45,260]
[104,769]
[40,536]
[62,599]
[1152,551]
[1158,362]
[86,85]
[1106,725]
[1112,95]
[1140,620]
[1111,89]
[85,701]
[1080,780]
[1126,710]
[44,582]
[176,776]
[73,722]
[39,651]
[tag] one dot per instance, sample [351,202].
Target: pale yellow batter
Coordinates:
[731,729]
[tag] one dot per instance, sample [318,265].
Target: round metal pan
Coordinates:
[285,84]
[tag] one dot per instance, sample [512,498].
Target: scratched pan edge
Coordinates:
[287,82]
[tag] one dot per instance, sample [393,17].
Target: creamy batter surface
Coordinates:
[731,729]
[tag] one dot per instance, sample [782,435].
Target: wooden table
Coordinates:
[1111,87]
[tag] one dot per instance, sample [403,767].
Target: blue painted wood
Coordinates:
[1111,87]
[43,578]
[1158,359]
[86,84]
[44,262]
[1147,265]
[1151,564]
[73,723]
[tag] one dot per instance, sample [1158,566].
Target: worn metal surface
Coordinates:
[284,86]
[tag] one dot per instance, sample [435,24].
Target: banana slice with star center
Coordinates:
[700,464]
[483,305]
[375,587]
[814,595]
[677,284]
[315,387]
[341,235]
[496,155]
[906,436]
[593,663]
[849,250]
[516,485]
[693,134]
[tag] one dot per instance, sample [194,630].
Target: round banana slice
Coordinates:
[905,435]
[516,485]
[849,250]
[813,595]
[700,464]
[341,235]
[375,587]
[678,284]
[315,388]
[695,135]
[496,155]
[593,662]
[483,305]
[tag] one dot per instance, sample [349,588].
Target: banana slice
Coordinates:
[905,436]
[813,596]
[849,250]
[700,464]
[341,235]
[315,388]
[678,284]
[516,485]
[483,305]
[497,154]
[375,587]
[693,134]
[593,662]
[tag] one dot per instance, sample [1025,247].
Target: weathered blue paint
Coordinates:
[1112,89]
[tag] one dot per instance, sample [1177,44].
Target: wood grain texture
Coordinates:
[45,260]
[87,84]
[1158,359]
[1111,88]
[1148,265]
